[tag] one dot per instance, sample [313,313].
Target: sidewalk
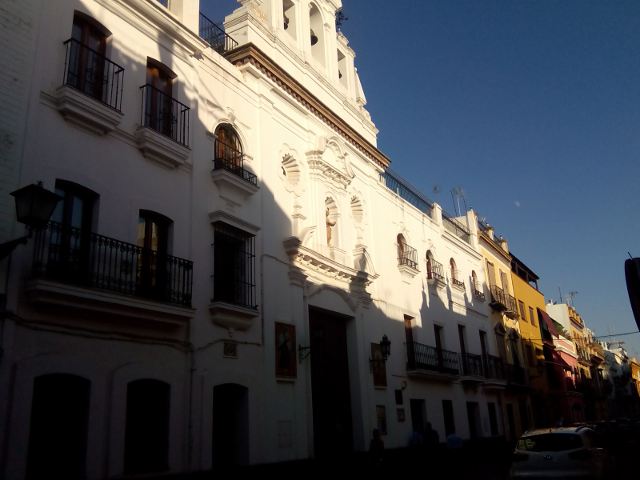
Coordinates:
[479,460]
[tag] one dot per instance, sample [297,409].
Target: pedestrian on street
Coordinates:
[376,448]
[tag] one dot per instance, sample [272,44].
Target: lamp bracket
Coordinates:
[303,352]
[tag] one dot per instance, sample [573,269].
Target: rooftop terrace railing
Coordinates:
[215,36]
[407,192]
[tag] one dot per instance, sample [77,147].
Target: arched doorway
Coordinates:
[59,424]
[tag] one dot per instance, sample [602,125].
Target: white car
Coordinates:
[559,453]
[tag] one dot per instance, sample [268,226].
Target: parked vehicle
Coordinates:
[570,452]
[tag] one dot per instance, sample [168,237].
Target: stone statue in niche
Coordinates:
[331,223]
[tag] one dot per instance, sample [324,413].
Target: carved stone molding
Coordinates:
[317,268]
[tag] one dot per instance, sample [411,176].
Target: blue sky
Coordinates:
[533,109]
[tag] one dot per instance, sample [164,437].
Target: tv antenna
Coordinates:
[457,194]
[572,296]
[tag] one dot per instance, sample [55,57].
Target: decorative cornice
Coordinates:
[330,173]
[494,247]
[250,54]
[306,263]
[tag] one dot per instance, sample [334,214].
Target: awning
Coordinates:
[548,322]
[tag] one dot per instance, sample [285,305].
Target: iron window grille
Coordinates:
[234,266]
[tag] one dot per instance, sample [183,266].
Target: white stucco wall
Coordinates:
[319,164]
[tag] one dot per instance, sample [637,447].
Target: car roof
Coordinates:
[543,431]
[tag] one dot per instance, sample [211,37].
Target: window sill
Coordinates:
[85,111]
[438,282]
[408,271]
[160,148]
[232,316]
[232,187]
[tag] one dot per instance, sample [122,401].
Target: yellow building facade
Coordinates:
[516,406]
[529,300]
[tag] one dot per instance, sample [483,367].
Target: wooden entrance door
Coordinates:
[331,397]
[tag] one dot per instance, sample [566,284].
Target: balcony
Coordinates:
[472,366]
[424,360]
[494,369]
[234,181]
[91,91]
[163,135]
[459,284]
[435,273]
[478,295]
[88,271]
[215,36]
[407,259]
[503,302]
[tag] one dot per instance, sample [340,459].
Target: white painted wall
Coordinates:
[272,126]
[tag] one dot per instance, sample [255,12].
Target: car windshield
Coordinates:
[550,442]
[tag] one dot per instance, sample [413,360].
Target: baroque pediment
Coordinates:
[317,268]
[330,162]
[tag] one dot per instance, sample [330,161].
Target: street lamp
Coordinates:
[34,206]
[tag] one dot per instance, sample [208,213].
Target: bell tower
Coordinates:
[302,38]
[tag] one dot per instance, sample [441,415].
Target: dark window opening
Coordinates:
[449,422]
[153,239]
[234,266]
[70,233]
[159,99]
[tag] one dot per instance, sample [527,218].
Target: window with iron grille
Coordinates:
[233,266]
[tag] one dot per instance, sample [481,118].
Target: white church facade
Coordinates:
[232,273]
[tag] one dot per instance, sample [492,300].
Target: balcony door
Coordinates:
[153,239]
[228,149]
[408,335]
[87,56]
[70,232]
[437,330]
[159,114]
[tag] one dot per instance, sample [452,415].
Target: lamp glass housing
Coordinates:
[34,205]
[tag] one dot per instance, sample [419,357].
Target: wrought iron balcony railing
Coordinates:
[472,364]
[407,256]
[478,295]
[165,114]
[215,36]
[86,259]
[457,283]
[494,367]
[425,357]
[435,271]
[502,301]
[93,74]
[232,160]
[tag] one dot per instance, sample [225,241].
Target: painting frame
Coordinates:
[285,350]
